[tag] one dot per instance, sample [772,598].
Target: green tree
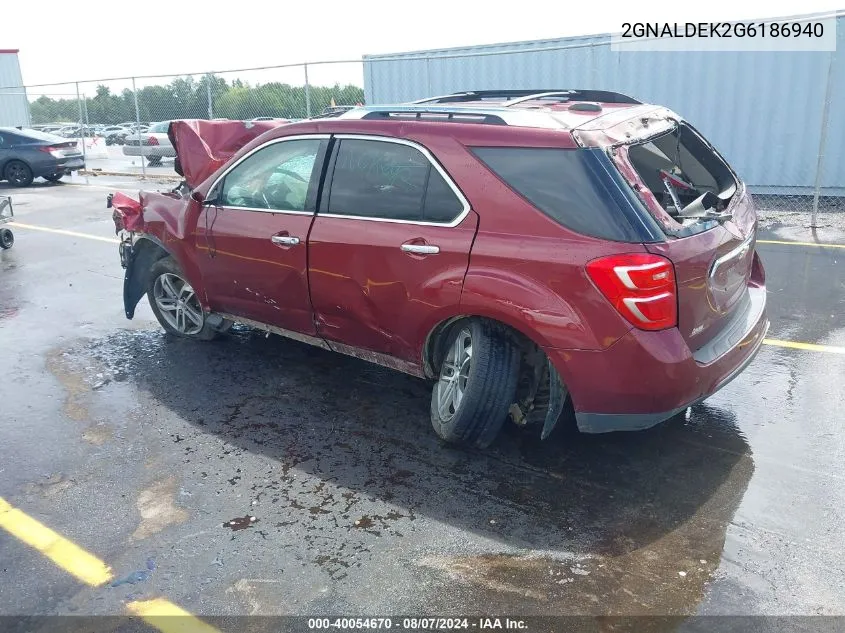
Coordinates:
[187,98]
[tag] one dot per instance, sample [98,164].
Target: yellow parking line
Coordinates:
[158,612]
[66,554]
[168,617]
[87,236]
[801,243]
[810,347]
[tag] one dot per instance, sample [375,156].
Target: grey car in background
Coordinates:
[153,143]
[27,154]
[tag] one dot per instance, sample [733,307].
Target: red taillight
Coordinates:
[48,149]
[640,286]
[152,140]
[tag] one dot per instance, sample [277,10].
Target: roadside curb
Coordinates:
[88,172]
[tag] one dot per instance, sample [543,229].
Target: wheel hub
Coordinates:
[454,375]
[178,304]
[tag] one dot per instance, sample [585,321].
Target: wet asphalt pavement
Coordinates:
[141,449]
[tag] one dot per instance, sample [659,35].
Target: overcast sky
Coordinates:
[69,41]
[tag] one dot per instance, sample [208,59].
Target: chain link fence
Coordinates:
[106,115]
[114,120]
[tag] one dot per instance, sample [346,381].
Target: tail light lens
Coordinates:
[52,150]
[641,287]
[152,140]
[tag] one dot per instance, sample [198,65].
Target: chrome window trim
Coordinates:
[446,177]
[282,139]
[736,252]
[256,209]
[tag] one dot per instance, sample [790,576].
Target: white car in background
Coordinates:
[153,144]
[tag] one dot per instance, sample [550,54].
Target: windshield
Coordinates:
[159,127]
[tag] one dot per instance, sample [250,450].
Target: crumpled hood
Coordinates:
[203,146]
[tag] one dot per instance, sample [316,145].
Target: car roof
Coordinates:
[563,109]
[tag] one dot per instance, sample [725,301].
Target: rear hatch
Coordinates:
[709,220]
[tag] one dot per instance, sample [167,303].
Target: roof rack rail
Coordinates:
[437,114]
[604,96]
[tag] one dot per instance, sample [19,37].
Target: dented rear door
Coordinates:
[389,248]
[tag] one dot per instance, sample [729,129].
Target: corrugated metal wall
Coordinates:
[763,110]
[14,108]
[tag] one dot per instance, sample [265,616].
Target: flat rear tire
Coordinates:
[476,385]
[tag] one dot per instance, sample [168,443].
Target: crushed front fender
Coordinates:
[140,258]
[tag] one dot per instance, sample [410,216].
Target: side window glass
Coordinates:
[275,178]
[377,179]
[441,203]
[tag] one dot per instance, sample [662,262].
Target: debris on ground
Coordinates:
[136,576]
[131,579]
[240,523]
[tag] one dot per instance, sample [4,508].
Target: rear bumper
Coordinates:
[57,166]
[648,377]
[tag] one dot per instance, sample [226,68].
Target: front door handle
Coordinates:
[286,240]
[421,249]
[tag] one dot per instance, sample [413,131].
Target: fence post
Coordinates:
[307,93]
[79,103]
[822,140]
[138,126]
[208,93]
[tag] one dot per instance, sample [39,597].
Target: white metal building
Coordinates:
[777,116]
[14,107]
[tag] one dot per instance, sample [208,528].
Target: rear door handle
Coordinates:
[421,249]
[287,240]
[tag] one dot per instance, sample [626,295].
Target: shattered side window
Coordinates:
[275,177]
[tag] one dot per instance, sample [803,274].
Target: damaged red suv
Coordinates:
[530,252]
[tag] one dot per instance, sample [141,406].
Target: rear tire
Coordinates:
[18,173]
[175,304]
[7,238]
[477,384]
[154,161]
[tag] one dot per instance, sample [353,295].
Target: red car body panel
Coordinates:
[349,283]
[368,293]
[246,274]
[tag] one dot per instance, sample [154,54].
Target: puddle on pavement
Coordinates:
[98,434]
[73,381]
[615,524]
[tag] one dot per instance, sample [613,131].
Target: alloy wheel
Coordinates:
[178,304]
[17,174]
[454,375]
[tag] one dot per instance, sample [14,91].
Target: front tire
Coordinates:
[18,173]
[175,303]
[477,384]
[7,239]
